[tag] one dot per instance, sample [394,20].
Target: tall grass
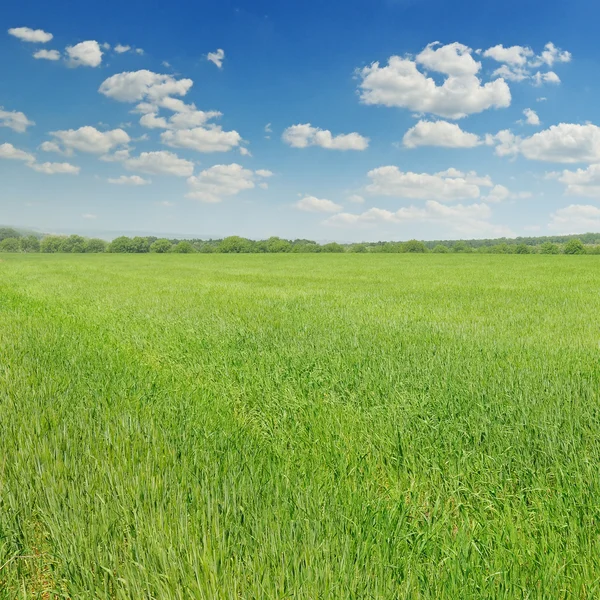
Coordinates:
[306,427]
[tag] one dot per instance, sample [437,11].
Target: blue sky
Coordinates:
[361,120]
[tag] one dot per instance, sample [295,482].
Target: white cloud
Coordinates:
[17,121]
[549,77]
[302,136]
[89,139]
[462,93]
[355,199]
[50,168]
[212,184]
[268,128]
[562,143]
[201,139]
[160,163]
[8,151]
[133,86]
[47,54]
[472,219]
[531,117]
[117,156]
[520,60]
[89,216]
[84,54]
[131,180]
[497,194]
[244,151]
[552,54]
[582,182]
[140,51]
[439,133]
[50,147]
[576,218]
[264,173]
[156,91]
[120,48]
[446,186]
[541,99]
[312,204]
[216,57]
[38,36]
[515,55]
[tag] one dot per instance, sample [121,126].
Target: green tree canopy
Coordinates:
[574,246]
[161,246]
[30,244]
[10,244]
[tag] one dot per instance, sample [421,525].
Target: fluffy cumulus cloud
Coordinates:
[562,143]
[47,54]
[38,36]
[89,139]
[520,63]
[8,151]
[121,48]
[582,182]
[216,57]
[134,86]
[201,139]
[17,121]
[302,136]
[446,186]
[50,168]
[187,127]
[219,181]
[472,219]
[439,133]
[84,54]
[400,83]
[317,205]
[130,180]
[531,117]
[576,218]
[160,163]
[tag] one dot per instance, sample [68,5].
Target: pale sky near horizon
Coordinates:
[355,120]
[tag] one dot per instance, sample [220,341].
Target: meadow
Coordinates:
[340,426]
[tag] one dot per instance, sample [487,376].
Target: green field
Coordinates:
[299,427]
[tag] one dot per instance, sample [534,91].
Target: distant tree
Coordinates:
[332,247]
[574,246]
[141,244]
[305,246]
[441,249]
[8,232]
[206,248]
[161,246]
[52,243]
[29,244]
[73,243]
[95,245]
[275,244]
[414,247]
[234,245]
[593,250]
[10,244]
[183,247]
[461,247]
[549,248]
[522,249]
[358,248]
[122,244]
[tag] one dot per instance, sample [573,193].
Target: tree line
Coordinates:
[12,240]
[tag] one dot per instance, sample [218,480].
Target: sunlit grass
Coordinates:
[307,427]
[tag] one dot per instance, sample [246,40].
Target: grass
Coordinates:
[299,427]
